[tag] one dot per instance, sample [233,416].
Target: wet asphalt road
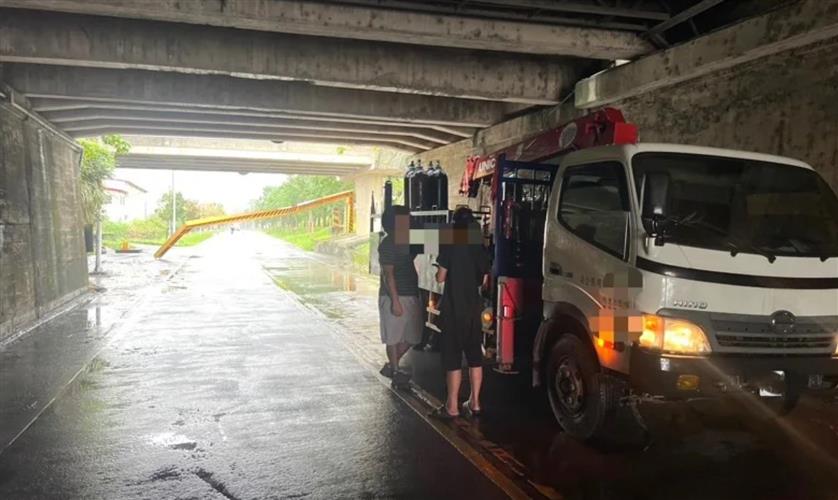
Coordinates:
[220,383]
[730,449]
[215,384]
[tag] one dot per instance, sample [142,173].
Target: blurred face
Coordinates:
[402,229]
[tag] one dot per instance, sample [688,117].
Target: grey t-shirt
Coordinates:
[404,271]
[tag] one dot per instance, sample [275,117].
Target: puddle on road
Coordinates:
[173,441]
[331,290]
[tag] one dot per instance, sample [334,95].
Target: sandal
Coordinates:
[400,377]
[470,411]
[441,413]
[386,370]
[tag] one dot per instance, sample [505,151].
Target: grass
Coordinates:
[192,239]
[189,240]
[306,240]
[361,257]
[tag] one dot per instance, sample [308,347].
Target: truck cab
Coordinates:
[676,272]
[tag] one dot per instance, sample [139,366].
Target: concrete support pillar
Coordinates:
[369,185]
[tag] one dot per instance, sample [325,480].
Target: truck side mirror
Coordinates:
[655,194]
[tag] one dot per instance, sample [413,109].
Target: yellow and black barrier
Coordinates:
[348,196]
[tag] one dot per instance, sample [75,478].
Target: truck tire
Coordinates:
[791,395]
[789,392]
[582,398]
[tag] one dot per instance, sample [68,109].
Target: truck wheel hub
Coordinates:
[569,386]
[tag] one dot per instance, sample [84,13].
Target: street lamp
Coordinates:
[173,226]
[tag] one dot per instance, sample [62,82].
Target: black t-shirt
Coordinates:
[466,265]
[404,271]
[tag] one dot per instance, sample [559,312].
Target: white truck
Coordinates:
[630,270]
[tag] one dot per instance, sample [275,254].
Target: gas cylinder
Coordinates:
[411,169]
[431,199]
[417,183]
[441,188]
[388,194]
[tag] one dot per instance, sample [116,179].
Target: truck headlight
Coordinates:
[676,336]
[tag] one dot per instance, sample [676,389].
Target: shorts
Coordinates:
[406,328]
[461,336]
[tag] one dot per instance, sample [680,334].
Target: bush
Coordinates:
[304,239]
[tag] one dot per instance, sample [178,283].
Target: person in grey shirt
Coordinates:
[399,307]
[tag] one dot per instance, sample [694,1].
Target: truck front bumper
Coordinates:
[680,377]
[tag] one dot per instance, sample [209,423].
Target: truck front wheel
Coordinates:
[580,396]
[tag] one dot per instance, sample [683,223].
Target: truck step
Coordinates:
[433,327]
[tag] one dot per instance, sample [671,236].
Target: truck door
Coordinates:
[587,253]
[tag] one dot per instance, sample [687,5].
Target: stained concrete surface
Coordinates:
[217,384]
[42,262]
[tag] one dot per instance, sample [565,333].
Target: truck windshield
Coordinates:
[752,206]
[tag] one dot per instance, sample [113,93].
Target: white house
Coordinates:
[127,202]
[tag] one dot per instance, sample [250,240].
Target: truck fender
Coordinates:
[555,315]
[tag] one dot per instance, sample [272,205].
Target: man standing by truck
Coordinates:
[463,266]
[399,307]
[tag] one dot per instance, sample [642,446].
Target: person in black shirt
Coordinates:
[463,267]
[399,307]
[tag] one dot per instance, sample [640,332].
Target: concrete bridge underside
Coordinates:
[437,80]
[242,162]
[408,74]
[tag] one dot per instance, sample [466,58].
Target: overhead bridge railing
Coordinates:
[348,196]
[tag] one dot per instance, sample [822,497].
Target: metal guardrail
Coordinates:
[348,196]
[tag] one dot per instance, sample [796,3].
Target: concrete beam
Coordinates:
[245,135]
[71,40]
[347,21]
[49,106]
[232,164]
[803,23]
[73,118]
[581,8]
[236,93]
[98,127]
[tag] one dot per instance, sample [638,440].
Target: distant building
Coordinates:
[127,202]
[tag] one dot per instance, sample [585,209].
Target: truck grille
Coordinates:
[810,335]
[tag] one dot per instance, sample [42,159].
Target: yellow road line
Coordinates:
[421,403]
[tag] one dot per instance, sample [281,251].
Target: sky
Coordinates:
[231,189]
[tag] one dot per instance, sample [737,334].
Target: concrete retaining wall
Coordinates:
[785,104]
[42,256]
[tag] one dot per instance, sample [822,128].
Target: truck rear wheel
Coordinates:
[580,395]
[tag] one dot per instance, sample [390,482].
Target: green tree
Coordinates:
[120,146]
[300,188]
[211,209]
[186,209]
[97,164]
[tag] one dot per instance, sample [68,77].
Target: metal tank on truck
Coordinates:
[431,199]
[438,188]
[408,175]
[418,183]
[624,271]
